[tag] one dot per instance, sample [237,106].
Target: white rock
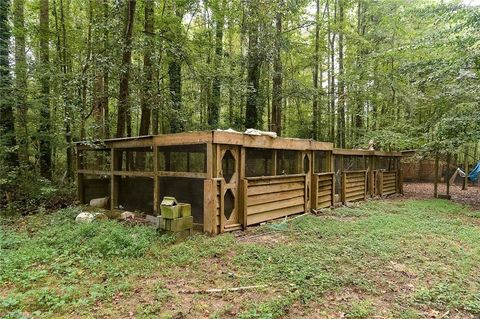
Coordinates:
[84,218]
[127,215]
[101,202]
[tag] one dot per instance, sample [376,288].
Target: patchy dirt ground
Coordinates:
[470,196]
[396,258]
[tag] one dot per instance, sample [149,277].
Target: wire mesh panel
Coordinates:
[321,164]
[354,163]
[135,159]
[95,186]
[388,163]
[287,162]
[183,158]
[258,162]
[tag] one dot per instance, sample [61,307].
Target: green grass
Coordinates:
[400,259]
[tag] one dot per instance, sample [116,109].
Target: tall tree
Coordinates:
[316,66]
[331,69]
[45,148]
[147,87]
[124,117]
[175,75]
[105,69]
[254,65]
[7,128]
[21,80]
[277,79]
[62,47]
[214,103]
[341,77]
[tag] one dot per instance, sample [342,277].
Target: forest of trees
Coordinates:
[404,74]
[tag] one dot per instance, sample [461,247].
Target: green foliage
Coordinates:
[50,266]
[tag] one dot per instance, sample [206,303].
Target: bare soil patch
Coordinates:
[470,196]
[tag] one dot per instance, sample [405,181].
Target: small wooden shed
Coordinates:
[232,180]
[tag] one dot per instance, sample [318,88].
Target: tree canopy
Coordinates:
[403,73]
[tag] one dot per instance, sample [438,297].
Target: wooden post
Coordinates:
[113,179]
[344,187]
[245,202]
[209,209]
[242,200]
[435,182]
[380,183]
[314,192]
[465,179]
[80,190]
[305,194]
[333,190]
[366,186]
[447,171]
[274,163]
[156,184]
[210,160]
[223,220]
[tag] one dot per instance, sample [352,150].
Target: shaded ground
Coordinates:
[380,259]
[470,196]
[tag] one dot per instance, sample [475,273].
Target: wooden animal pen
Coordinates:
[232,180]
[360,174]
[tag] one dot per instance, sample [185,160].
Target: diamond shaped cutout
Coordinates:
[228,166]
[228,203]
[306,164]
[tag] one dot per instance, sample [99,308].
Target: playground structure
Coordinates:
[232,180]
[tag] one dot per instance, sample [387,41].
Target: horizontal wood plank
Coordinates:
[274,214]
[274,188]
[273,197]
[260,208]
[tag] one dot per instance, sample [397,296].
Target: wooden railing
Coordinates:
[323,190]
[271,197]
[388,182]
[354,186]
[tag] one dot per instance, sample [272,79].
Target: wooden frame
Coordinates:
[256,199]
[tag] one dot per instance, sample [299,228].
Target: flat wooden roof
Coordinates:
[215,137]
[350,152]
[360,152]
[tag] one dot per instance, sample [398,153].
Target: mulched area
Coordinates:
[470,196]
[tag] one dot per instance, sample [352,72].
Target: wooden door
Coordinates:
[228,168]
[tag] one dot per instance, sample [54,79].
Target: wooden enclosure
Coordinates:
[232,180]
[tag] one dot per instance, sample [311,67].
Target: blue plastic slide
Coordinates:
[473,176]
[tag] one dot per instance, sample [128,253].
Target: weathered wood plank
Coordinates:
[270,180]
[274,188]
[274,214]
[273,197]
[260,208]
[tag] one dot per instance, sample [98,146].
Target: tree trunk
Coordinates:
[214,103]
[106,77]
[447,175]
[316,62]
[277,78]
[21,80]
[124,117]
[332,75]
[341,79]
[45,150]
[147,70]
[175,75]
[253,73]
[9,158]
